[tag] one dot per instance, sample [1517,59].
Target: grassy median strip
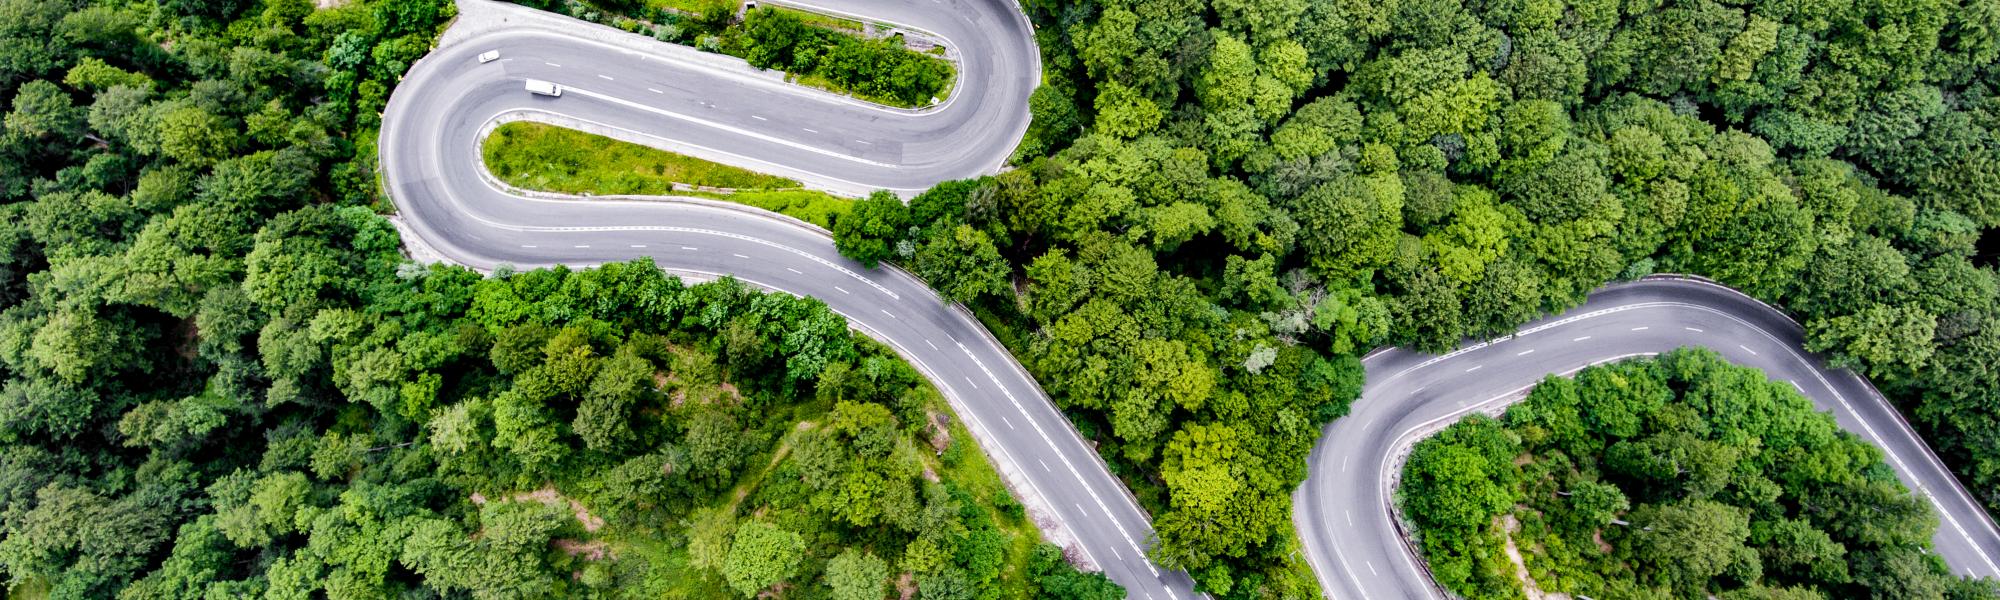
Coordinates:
[545,157]
[548,158]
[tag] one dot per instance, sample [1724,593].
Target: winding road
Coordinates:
[1342,510]
[716,108]
[674,97]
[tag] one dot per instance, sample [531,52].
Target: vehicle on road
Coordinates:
[489,56]
[544,88]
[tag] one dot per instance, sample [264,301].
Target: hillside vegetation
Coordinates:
[1680,476]
[1220,202]
[220,379]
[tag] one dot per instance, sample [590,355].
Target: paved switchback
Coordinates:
[1342,510]
[721,110]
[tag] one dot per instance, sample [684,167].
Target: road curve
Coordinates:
[430,164]
[1343,507]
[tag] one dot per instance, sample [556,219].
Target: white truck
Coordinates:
[544,88]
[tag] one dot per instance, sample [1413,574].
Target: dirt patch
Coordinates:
[592,550]
[548,495]
[906,586]
[1511,525]
[940,431]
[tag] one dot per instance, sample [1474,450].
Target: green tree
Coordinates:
[42,110]
[962,264]
[769,37]
[760,556]
[870,232]
[79,543]
[857,575]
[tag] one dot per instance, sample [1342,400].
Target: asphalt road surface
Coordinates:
[430,163]
[1342,510]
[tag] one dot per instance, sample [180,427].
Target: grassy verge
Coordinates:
[547,158]
[694,7]
[826,21]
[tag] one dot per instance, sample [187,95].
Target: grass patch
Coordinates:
[693,7]
[826,21]
[548,158]
[818,208]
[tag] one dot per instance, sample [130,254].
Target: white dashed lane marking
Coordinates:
[738,255]
[1747,349]
[638,245]
[1692,329]
[1525,352]
[689,248]
[1045,466]
[886,312]
[606,77]
[758,118]
[654,91]
[844,291]
[1581,339]
[1640,328]
[1475,368]
[975,384]
[794,271]
[553,65]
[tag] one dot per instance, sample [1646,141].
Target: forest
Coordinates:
[223,380]
[1679,476]
[1220,203]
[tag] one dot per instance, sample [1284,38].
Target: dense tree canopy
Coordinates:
[1259,189]
[1680,476]
[222,379]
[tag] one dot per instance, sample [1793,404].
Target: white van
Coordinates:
[544,88]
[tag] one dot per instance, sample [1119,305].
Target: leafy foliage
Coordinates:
[1677,476]
[222,380]
[1277,185]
